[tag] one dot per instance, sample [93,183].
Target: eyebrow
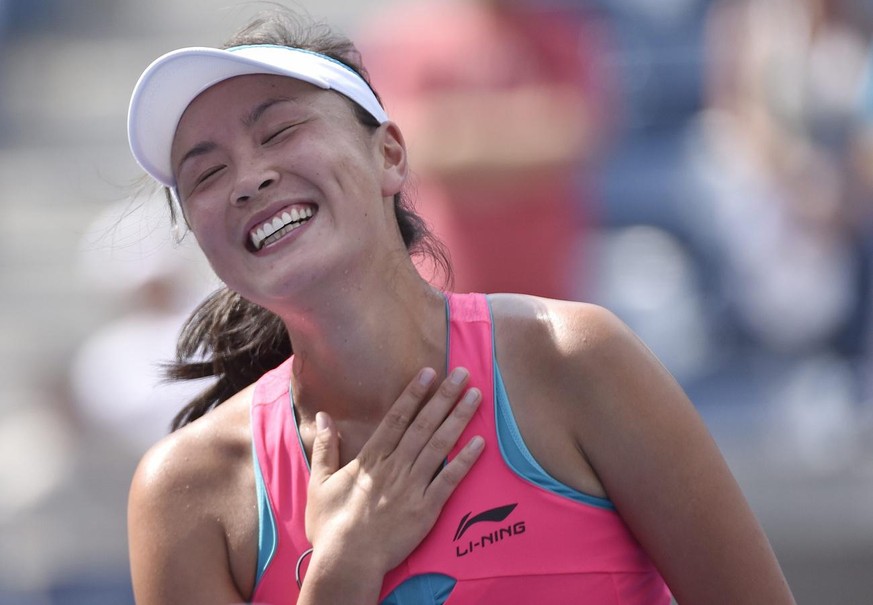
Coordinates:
[258,111]
[199,149]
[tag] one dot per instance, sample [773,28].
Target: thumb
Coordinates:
[325,448]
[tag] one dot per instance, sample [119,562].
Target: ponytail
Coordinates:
[232,339]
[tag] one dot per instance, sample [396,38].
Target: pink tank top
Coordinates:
[500,537]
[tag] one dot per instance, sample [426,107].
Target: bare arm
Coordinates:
[665,474]
[178,550]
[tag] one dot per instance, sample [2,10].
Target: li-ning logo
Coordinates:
[494,515]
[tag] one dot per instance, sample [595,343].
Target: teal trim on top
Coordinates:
[295,49]
[516,454]
[425,589]
[448,332]
[297,430]
[267,534]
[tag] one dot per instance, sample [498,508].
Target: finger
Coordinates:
[451,475]
[434,452]
[325,449]
[393,426]
[432,415]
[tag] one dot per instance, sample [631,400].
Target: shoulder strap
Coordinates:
[282,465]
[470,342]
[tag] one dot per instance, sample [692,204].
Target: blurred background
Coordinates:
[704,168]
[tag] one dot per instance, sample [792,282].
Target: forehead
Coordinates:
[234,94]
[237,99]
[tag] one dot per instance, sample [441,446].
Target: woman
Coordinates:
[414,464]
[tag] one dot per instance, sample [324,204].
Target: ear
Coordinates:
[394,159]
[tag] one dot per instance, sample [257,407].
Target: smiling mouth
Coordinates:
[279,226]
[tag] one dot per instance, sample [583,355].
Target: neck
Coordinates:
[358,346]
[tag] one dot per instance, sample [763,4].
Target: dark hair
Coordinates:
[230,338]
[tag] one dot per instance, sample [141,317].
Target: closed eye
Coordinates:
[276,134]
[207,174]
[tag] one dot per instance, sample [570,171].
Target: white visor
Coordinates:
[171,82]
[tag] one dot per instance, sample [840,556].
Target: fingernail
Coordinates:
[458,375]
[471,397]
[320,421]
[477,443]
[426,376]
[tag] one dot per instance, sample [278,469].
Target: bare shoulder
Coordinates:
[568,334]
[192,507]
[644,443]
[551,359]
[196,457]
[603,382]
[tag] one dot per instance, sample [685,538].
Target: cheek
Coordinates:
[201,213]
[210,234]
[226,268]
[212,253]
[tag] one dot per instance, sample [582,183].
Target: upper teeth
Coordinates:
[285,222]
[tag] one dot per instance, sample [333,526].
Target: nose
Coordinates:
[253,182]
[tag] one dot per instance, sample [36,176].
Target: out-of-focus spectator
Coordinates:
[863,142]
[862,169]
[770,153]
[116,376]
[502,102]
[776,209]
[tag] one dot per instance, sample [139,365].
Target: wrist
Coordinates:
[340,575]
